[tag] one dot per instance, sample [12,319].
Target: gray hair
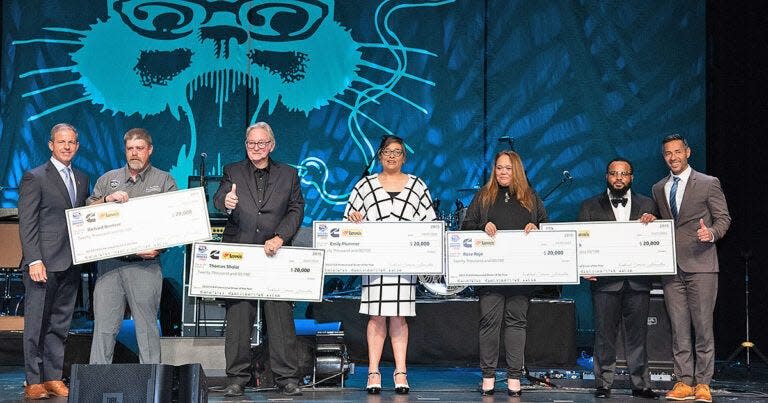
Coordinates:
[261,125]
[62,126]
[137,133]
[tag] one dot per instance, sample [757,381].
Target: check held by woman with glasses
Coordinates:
[506,202]
[389,196]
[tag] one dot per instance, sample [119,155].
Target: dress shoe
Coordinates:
[233,389]
[645,393]
[291,389]
[401,388]
[56,388]
[681,391]
[373,388]
[603,393]
[36,391]
[514,393]
[702,394]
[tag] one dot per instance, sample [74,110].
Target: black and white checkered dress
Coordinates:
[390,295]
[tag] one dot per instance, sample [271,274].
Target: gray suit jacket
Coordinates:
[598,208]
[703,199]
[42,224]
[251,222]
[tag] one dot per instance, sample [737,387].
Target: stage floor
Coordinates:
[432,384]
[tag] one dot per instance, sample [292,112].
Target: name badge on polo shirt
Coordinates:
[152,189]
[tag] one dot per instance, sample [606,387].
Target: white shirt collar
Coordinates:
[59,166]
[683,175]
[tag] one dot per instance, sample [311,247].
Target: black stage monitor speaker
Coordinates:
[138,383]
[659,338]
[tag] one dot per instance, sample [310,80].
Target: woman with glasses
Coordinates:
[389,196]
[506,202]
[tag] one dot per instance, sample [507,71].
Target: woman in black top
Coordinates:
[506,202]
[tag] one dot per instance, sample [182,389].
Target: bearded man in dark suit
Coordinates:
[620,299]
[50,279]
[264,204]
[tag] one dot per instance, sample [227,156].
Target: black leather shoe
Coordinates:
[646,393]
[603,393]
[514,393]
[291,389]
[233,389]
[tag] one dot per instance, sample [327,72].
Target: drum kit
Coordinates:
[434,286]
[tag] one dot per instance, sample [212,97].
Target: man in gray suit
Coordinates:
[135,279]
[264,204]
[50,279]
[620,299]
[697,204]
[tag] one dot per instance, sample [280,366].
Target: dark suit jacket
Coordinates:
[599,208]
[42,223]
[703,199]
[251,222]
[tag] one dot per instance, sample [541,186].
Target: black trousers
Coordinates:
[281,334]
[627,308]
[48,309]
[512,311]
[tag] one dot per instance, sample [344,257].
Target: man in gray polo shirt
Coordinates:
[137,279]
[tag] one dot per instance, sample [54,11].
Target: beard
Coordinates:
[136,165]
[618,192]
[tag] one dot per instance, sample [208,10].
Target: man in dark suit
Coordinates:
[50,279]
[265,206]
[697,204]
[621,299]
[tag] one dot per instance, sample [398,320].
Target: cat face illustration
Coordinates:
[149,57]
[161,52]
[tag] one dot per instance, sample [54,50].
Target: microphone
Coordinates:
[567,175]
[509,140]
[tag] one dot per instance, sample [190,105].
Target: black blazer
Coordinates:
[42,223]
[251,222]
[598,208]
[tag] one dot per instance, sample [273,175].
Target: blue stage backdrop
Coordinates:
[574,83]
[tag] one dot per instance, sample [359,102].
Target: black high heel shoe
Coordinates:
[373,388]
[486,392]
[514,393]
[401,388]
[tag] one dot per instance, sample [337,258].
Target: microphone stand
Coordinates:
[563,180]
[747,345]
[203,183]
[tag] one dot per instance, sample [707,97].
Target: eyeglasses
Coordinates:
[260,144]
[619,173]
[392,153]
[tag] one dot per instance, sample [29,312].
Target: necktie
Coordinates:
[622,200]
[673,197]
[70,185]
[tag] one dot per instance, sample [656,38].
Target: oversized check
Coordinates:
[107,230]
[229,270]
[402,247]
[512,258]
[619,248]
